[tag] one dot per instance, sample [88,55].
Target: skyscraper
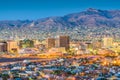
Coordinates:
[3,46]
[62,41]
[50,43]
[107,42]
[12,46]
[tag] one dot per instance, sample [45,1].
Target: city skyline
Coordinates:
[59,40]
[35,9]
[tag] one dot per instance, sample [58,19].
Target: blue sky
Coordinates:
[35,9]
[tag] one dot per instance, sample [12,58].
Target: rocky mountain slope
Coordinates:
[90,18]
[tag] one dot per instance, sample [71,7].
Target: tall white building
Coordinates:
[107,42]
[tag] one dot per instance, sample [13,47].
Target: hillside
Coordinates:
[90,18]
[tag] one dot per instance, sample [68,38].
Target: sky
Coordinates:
[35,9]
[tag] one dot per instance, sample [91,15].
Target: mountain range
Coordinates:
[90,18]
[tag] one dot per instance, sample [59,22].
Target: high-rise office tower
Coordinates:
[50,43]
[62,41]
[3,46]
[12,46]
[107,42]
